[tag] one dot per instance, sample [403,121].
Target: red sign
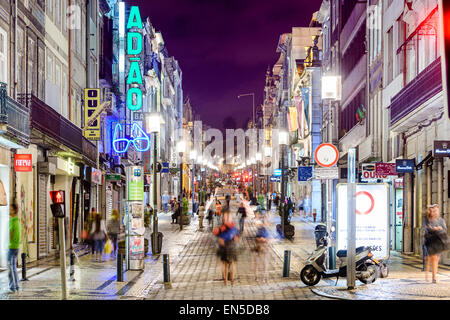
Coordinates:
[385,169]
[57,196]
[326,155]
[23,163]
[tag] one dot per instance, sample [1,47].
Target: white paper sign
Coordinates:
[372,218]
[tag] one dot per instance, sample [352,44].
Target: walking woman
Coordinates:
[227,235]
[435,239]
[201,214]
[114,229]
[99,236]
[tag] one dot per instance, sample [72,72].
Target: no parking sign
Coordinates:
[372,217]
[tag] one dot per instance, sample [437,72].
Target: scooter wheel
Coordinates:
[373,269]
[310,276]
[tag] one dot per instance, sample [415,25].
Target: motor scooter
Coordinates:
[366,269]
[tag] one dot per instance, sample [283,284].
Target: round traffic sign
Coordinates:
[326,155]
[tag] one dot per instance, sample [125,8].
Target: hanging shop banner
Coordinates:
[112,177]
[326,173]
[277,173]
[304,173]
[91,128]
[385,169]
[372,217]
[405,165]
[23,163]
[96,176]
[135,184]
[274,179]
[165,167]
[441,149]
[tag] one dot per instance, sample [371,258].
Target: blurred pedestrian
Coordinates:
[243,214]
[300,207]
[176,213]
[227,235]
[90,222]
[294,202]
[218,212]
[99,236]
[210,216]
[13,248]
[261,250]
[435,239]
[201,214]
[228,199]
[113,227]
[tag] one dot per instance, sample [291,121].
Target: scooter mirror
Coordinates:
[332,229]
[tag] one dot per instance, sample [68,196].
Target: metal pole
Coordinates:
[331,249]
[155,248]
[166,268]
[193,185]
[24,267]
[72,268]
[351,220]
[282,191]
[181,192]
[62,258]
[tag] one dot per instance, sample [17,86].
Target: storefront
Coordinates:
[397,216]
[5,159]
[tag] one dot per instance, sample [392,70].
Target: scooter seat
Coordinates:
[343,253]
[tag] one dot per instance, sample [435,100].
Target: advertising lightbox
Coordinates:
[372,217]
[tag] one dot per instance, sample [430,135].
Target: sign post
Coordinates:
[351,219]
[58,208]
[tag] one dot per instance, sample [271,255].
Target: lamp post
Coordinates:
[193,155]
[181,146]
[258,158]
[154,126]
[283,140]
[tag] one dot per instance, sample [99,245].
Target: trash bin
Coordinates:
[320,232]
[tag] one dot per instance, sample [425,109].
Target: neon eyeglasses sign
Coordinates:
[134,73]
[140,141]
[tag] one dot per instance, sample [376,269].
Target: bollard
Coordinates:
[119,267]
[166,268]
[24,267]
[287,263]
[331,258]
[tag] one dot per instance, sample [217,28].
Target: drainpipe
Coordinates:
[15,49]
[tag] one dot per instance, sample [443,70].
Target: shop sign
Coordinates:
[405,165]
[277,173]
[304,173]
[368,172]
[23,163]
[326,173]
[113,177]
[398,183]
[385,169]
[138,138]
[441,149]
[96,176]
[165,167]
[91,130]
[275,179]
[372,217]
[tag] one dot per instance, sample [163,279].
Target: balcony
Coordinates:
[14,118]
[46,120]
[427,84]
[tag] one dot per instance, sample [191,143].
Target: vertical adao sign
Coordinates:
[91,121]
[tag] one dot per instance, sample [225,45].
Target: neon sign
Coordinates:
[134,48]
[140,139]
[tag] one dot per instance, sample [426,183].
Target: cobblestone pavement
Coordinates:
[196,272]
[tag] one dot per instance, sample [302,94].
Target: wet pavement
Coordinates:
[196,271]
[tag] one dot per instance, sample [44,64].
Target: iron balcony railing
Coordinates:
[16,116]
[423,87]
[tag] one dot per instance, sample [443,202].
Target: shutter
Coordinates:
[43,232]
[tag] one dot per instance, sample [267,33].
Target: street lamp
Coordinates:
[283,138]
[181,147]
[154,126]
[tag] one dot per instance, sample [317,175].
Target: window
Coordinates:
[3,56]
[390,44]
[65,96]
[41,73]
[49,67]
[347,116]
[20,65]
[64,15]
[31,82]
[58,13]
[50,9]
[401,39]
[58,84]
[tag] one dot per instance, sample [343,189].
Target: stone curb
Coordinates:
[326,295]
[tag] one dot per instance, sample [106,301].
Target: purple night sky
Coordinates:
[224,48]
